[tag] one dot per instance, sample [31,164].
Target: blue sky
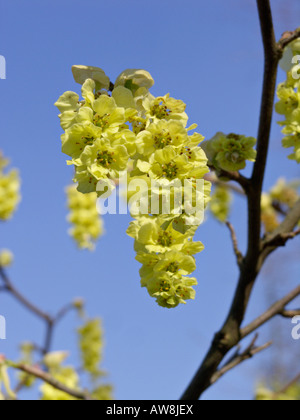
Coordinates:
[210,55]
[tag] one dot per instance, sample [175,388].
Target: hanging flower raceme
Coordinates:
[285,193]
[120,126]
[91,346]
[87,225]
[66,375]
[220,203]
[9,190]
[269,216]
[289,101]
[95,136]
[171,164]
[277,202]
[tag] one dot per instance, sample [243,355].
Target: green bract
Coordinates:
[230,152]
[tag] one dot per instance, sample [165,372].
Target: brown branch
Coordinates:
[277,206]
[266,115]
[277,309]
[25,302]
[290,314]
[63,312]
[281,239]
[212,177]
[229,336]
[44,376]
[234,239]
[287,38]
[51,322]
[233,176]
[250,352]
[49,337]
[283,233]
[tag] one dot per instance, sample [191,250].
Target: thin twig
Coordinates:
[239,255]
[51,322]
[287,38]
[286,228]
[290,314]
[250,352]
[281,239]
[233,176]
[212,177]
[44,376]
[277,206]
[63,312]
[277,309]
[30,306]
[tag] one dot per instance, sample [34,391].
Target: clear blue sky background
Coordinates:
[210,55]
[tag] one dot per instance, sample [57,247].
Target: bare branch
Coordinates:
[233,176]
[290,314]
[250,352]
[237,252]
[277,309]
[44,376]
[63,312]
[229,336]
[25,302]
[281,239]
[51,322]
[285,231]
[277,206]
[212,177]
[287,38]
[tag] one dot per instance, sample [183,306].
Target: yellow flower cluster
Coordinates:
[170,163]
[6,391]
[91,346]
[220,203]
[90,337]
[289,100]
[87,224]
[281,198]
[9,190]
[292,393]
[6,258]
[121,125]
